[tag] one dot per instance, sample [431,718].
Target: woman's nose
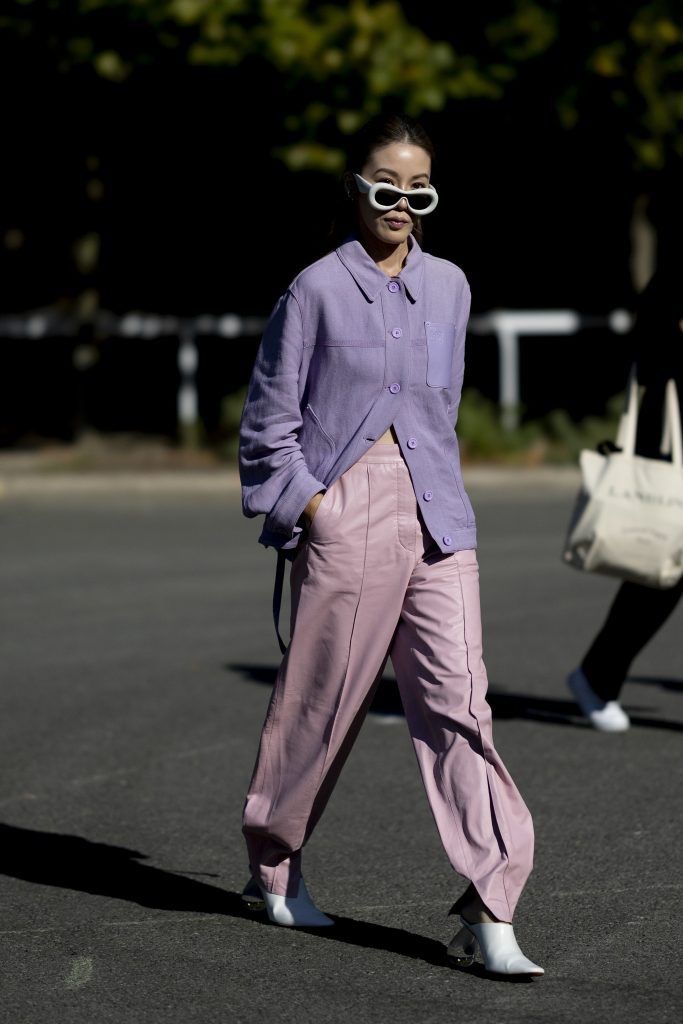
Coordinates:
[402,204]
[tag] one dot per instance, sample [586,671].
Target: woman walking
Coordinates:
[348,446]
[637,612]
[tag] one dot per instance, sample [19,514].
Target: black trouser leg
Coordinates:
[634,618]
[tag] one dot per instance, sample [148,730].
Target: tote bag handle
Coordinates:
[672,437]
[628,425]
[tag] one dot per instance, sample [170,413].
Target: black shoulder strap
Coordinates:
[277,596]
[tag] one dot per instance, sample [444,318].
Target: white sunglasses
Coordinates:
[382,196]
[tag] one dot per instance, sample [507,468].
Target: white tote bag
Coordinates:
[628,519]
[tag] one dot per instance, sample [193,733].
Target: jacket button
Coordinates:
[447,541]
[393,286]
[427,495]
[394,388]
[397,333]
[412,442]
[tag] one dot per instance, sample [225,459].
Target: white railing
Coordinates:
[49,323]
[508,326]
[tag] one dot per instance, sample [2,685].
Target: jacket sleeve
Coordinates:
[274,476]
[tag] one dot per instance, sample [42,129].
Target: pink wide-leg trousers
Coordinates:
[368,583]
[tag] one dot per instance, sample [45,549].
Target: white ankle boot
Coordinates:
[607,716]
[498,947]
[291,911]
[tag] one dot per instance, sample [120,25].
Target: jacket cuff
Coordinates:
[280,542]
[284,516]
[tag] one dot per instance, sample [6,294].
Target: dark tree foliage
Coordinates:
[182,155]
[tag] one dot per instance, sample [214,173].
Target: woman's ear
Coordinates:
[349,185]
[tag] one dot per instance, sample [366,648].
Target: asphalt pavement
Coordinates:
[136,661]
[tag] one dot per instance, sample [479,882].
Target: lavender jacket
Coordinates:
[348,352]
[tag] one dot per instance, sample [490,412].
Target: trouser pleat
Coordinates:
[483,822]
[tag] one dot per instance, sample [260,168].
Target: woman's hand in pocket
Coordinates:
[312,508]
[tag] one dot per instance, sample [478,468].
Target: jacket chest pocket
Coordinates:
[440,345]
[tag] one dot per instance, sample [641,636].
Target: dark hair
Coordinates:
[382,130]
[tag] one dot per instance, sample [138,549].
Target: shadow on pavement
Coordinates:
[71,862]
[550,710]
[396,940]
[662,681]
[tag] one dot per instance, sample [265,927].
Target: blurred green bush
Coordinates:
[554,438]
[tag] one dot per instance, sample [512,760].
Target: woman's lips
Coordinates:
[395,223]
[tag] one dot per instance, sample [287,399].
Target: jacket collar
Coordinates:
[370,279]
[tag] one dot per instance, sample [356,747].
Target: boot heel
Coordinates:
[463,948]
[254,906]
[252,897]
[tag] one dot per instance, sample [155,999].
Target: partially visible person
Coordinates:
[638,612]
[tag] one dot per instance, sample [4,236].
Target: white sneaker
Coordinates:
[606,716]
